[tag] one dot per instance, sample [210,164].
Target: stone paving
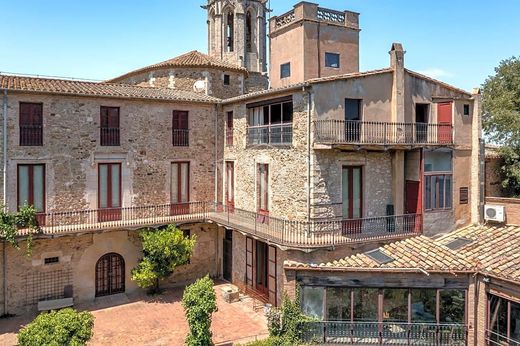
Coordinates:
[157,320]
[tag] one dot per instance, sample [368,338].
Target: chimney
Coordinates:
[397,55]
[397,64]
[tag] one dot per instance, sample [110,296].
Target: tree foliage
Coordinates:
[57,328]
[10,223]
[163,250]
[199,302]
[501,119]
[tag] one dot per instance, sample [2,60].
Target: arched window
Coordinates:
[230,32]
[249,32]
[110,275]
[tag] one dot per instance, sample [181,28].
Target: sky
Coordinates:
[457,41]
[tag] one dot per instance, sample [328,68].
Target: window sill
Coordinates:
[269,146]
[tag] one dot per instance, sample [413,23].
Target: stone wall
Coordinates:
[493,177]
[184,78]
[71,150]
[256,82]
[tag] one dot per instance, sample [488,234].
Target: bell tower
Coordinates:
[237,32]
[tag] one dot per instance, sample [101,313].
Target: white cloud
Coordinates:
[436,73]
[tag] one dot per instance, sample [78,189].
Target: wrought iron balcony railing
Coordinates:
[320,233]
[384,333]
[181,137]
[381,133]
[281,134]
[31,135]
[110,136]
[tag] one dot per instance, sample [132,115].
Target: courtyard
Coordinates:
[157,320]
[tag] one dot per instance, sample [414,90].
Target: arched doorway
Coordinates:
[110,275]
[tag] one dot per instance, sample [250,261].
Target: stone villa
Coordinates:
[272,171]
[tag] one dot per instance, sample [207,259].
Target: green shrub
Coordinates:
[199,302]
[58,328]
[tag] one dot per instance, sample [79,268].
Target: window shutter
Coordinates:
[249,262]
[271,275]
[464,195]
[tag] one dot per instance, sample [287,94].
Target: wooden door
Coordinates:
[180,188]
[412,196]
[263,193]
[228,255]
[230,186]
[271,273]
[249,262]
[109,192]
[352,199]
[110,275]
[261,268]
[444,119]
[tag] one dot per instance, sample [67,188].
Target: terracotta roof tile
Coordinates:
[190,59]
[81,88]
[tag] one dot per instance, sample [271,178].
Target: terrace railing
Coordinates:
[382,133]
[281,134]
[384,333]
[110,136]
[498,339]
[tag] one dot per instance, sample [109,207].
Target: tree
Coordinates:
[10,223]
[63,327]
[163,251]
[199,302]
[501,119]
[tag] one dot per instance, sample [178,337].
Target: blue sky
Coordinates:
[458,41]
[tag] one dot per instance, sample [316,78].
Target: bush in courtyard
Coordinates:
[57,328]
[199,302]
[163,250]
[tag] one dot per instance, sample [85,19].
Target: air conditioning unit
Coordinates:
[494,213]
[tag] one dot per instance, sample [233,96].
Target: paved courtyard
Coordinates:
[158,320]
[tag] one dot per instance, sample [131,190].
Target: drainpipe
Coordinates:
[309,101]
[216,155]
[4,249]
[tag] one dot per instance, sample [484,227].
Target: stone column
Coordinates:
[397,64]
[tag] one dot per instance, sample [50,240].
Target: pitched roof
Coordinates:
[491,250]
[98,89]
[190,59]
[436,81]
[414,253]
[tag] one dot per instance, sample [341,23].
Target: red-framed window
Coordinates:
[180,129]
[109,130]
[263,188]
[31,186]
[109,191]
[180,183]
[229,129]
[31,124]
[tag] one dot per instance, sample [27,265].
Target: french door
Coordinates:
[109,192]
[180,188]
[31,189]
[263,192]
[261,270]
[444,118]
[352,199]
[230,186]
[110,275]
[353,120]
[228,255]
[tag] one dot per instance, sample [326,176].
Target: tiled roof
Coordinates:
[190,59]
[349,75]
[493,251]
[436,81]
[413,253]
[81,88]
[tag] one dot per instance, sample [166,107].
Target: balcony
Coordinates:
[322,233]
[110,136]
[181,137]
[336,133]
[384,333]
[270,134]
[31,135]
[229,136]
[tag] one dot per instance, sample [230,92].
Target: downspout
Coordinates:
[4,195]
[309,137]
[216,156]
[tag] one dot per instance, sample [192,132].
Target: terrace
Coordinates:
[318,233]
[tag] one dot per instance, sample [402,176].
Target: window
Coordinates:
[338,306]
[464,195]
[51,260]
[229,129]
[180,183]
[249,32]
[109,191]
[438,180]
[270,122]
[424,302]
[466,109]
[31,124]
[452,306]
[395,305]
[31,186]
[332,60]
[263,188]
[109,126]
[180,130]
[226,79]
[285,70]
[313,298]
[230,32]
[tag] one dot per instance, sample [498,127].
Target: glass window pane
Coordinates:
[428,192]
[185,182]
[440,187]
[276,114]
[38,187]
[103,186]
[356,192]
[264,116]
[288,112]
[338,304]
[498,318]
[424,302]
[345,192]
[175,183]
[452,306]
[23,185]
[437,161]
[365,304]
[395,305]
[515,321]
[116,203]
[313,301]
[448,192]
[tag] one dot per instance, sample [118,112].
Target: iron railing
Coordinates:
[384,333]
[181,137]
[497,339]
[31,135]
[229,136]
[110,136]
[382,133]
[270,134]
[317,233]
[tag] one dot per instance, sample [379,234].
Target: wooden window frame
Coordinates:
[285,75]
[179,181]
[180,134]
[109,184]
[109,136]
[330,54]
[261,210]
[437,191]
[30,180]
[26,129]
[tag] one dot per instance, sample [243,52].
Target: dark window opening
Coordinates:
[226,79]
[271,124]
[110,133]
[229,129]
[353,109]
[285,70]
[249,33]
[464,195]
[31,124]
[230,32]
[466,109]
[51,260]
[422,110]
[332,60]
[180,130]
